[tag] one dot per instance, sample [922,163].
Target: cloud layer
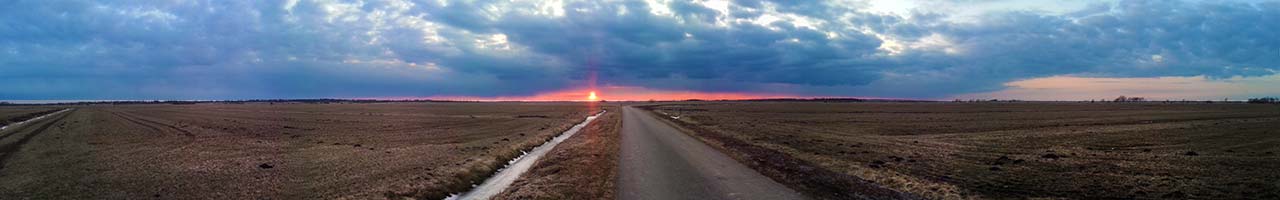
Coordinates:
[327,48]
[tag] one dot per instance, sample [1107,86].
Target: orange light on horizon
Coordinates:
[618,93]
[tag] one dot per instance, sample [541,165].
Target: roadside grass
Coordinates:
[473,174]
[801,175]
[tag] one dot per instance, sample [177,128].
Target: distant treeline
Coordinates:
[1264,100]
[813,99]
[816,100]
[1124,99]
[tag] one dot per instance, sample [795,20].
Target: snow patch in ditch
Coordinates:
[508,174]
[32,119]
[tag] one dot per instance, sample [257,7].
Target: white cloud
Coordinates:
[495,41]
[289,4]
[660,7]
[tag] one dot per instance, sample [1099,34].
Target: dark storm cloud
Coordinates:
[216,49]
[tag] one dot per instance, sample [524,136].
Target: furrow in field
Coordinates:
[140,121]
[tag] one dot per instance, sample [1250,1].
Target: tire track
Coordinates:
[144,123]
[137,122]
[140,121]
[7,151]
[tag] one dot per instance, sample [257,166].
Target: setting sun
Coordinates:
[591,96]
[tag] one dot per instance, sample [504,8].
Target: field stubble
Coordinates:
[240,151]
[1008,150]
[583,167]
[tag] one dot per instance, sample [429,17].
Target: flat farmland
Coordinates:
[260,150]
[1001,150]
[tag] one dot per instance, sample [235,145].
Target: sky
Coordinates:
[637,50]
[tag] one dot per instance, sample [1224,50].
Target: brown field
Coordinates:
[291,151]
[1002,150]
[583,167]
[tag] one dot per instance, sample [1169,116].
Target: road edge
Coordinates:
[817,182]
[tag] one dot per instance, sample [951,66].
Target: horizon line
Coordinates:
[375,100]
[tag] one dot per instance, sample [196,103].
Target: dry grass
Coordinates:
[1015,150]
[583,167]
[292,151]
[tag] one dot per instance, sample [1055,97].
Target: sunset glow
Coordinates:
[1155,88]
[640,99]
[618,93]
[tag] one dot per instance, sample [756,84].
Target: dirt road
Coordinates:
[660,162]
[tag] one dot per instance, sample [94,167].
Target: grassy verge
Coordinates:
[582,167]
[476,173]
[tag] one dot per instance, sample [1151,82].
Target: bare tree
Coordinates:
[1130,99]
[1264,100]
